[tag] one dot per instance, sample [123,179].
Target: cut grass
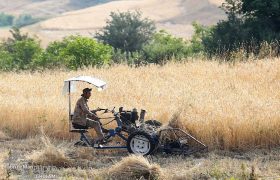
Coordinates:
[50,155]
[134,167]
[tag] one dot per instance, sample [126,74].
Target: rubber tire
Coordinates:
[154,123]
[153,141]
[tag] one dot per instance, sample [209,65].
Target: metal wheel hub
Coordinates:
[140,145]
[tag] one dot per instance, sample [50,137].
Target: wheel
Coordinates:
[154,123]
[141,142]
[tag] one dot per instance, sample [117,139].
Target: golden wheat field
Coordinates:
[232,107]
[229,107]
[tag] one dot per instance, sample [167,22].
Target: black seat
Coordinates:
[78,126]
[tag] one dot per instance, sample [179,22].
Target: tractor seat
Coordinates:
[78,128]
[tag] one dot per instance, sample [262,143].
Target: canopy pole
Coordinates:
[69,94]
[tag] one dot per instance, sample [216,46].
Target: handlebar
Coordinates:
[117,118]
[107,110]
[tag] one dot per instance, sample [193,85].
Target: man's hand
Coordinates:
[94,111]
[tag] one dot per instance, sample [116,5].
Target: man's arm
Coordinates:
[85,109]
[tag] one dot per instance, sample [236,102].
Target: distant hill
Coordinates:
[85,17]
[45,8]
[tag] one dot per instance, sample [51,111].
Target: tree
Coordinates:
[250,23]
[127,31]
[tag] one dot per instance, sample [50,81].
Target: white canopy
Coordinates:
[101,85]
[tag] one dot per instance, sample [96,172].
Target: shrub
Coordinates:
[129,58]
[164,47]
[76,51]
[19,51]
[6,61]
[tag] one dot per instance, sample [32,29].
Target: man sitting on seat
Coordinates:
[83,118]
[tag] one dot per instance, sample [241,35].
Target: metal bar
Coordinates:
[84,138]
[107,118]
[121,136]
[199,142]
[111,147]
[108,123]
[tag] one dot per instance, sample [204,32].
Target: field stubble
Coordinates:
[225,106]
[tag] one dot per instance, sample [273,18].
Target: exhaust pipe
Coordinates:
[142,115]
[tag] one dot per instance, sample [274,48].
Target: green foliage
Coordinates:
[24,20]
[76,52]
[6,20]
[165,47]
[6,61]
[200,32]
[131,58]
[250,23]
[127,31]
[23,52]
[19,52]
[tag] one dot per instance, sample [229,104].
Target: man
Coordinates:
[85,118]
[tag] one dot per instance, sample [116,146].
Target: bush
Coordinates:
[164,46]
[20,51]
[76,52]
[129,58]
[6,20]
[6,61]
[200,33]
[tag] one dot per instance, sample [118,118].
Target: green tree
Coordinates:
[76,52]
[127,31]
[250,23]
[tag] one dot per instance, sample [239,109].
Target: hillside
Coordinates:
[174,16]
[45,8]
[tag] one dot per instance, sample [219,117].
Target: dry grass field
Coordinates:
[226,106]
[233,108]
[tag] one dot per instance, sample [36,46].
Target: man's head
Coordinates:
[86,93]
